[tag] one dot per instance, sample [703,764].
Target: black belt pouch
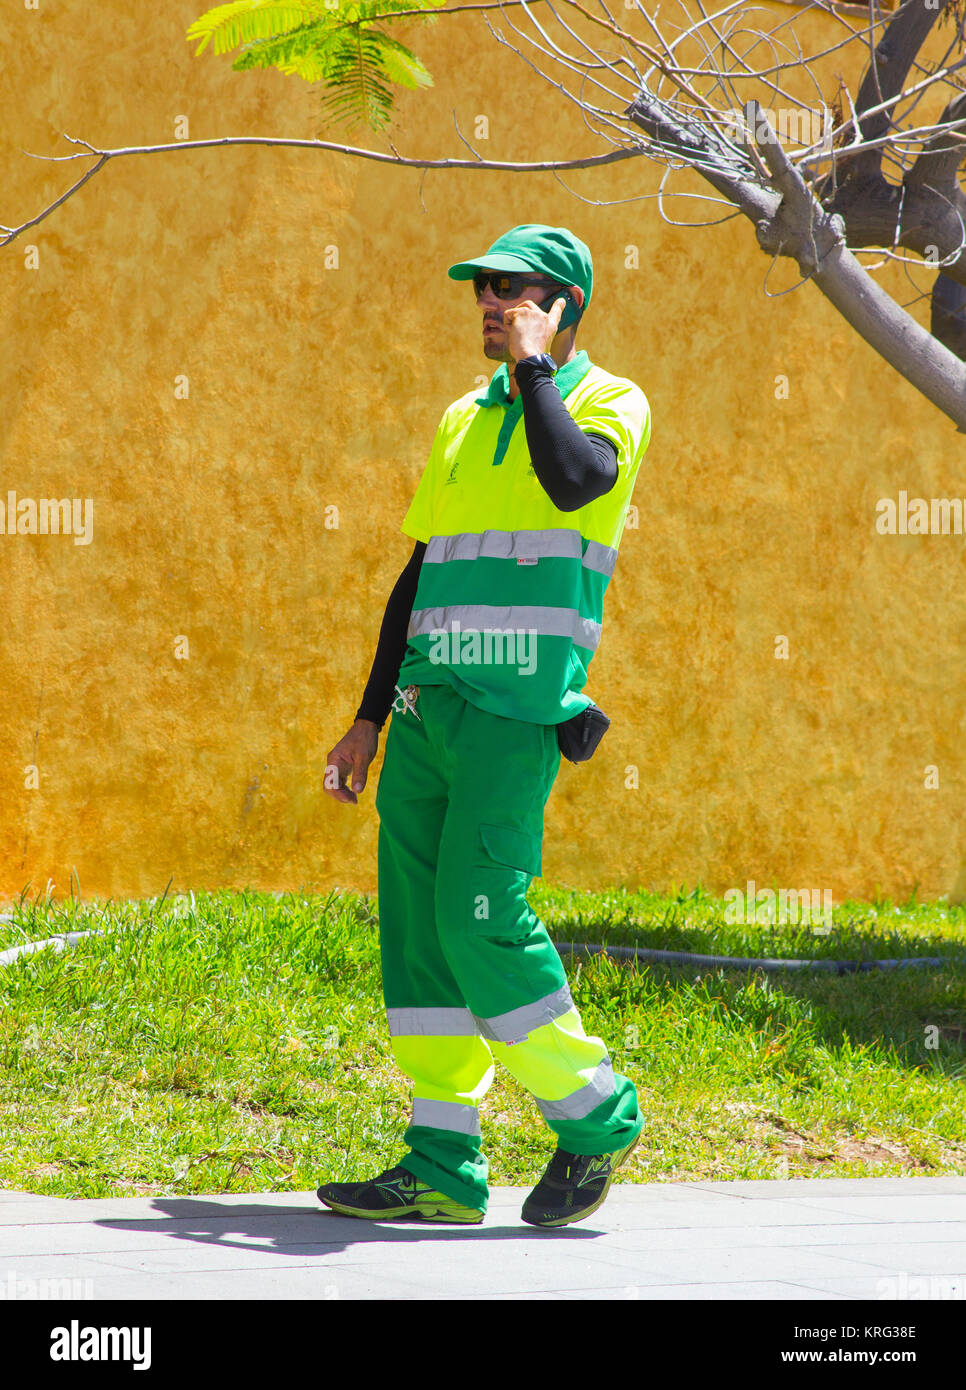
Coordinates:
[578,737]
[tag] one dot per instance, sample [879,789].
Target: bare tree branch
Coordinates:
[537,166]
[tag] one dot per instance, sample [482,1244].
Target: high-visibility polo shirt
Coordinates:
[509,604]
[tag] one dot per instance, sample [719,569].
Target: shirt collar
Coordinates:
[567,377]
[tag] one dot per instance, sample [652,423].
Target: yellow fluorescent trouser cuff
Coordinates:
[450,1076]
[568,1073]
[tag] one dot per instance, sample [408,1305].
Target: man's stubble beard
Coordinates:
[496,352]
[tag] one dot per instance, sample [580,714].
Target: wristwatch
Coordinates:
[540,360]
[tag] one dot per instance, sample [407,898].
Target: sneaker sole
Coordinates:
[587,1211]
[427,1211]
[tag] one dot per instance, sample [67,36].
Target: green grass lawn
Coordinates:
[237,1043]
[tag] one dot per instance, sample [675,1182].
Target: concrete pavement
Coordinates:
[820,1239]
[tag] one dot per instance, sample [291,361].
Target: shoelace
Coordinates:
[562,1164]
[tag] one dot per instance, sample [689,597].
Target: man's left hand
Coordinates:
[531,330]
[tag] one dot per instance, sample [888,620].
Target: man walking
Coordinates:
[486,642]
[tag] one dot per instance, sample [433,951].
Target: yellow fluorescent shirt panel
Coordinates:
[467,437]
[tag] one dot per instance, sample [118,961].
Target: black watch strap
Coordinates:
[541,361]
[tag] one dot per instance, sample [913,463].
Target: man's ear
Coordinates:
[578,295]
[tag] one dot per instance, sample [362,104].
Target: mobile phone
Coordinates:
[570,314]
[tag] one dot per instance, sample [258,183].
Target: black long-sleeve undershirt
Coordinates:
[572,467]
[381,688]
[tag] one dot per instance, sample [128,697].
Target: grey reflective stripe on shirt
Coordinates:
[582,1102]
[477,617]
[600,557]
[446,1114]
[431,1023]
[553,543]
[516,1025]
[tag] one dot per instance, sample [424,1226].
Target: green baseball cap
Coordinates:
[552,251]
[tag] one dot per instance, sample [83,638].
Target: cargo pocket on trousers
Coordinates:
[513,848]
[501,884]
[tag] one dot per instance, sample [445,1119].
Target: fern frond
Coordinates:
[335,44]
[356,92]
[245,21]
[399,64]
[306,53]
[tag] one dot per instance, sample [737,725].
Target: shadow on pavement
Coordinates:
[311,1230]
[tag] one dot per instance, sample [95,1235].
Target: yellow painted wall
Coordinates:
[313,388]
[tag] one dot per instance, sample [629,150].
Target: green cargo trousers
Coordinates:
[469,972]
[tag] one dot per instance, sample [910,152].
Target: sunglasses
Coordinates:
[510,284]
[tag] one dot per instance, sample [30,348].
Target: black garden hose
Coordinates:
[839,967]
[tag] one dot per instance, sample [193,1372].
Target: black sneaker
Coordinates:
[397,1192]
[573,1186]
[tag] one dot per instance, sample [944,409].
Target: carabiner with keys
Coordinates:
[408,697]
